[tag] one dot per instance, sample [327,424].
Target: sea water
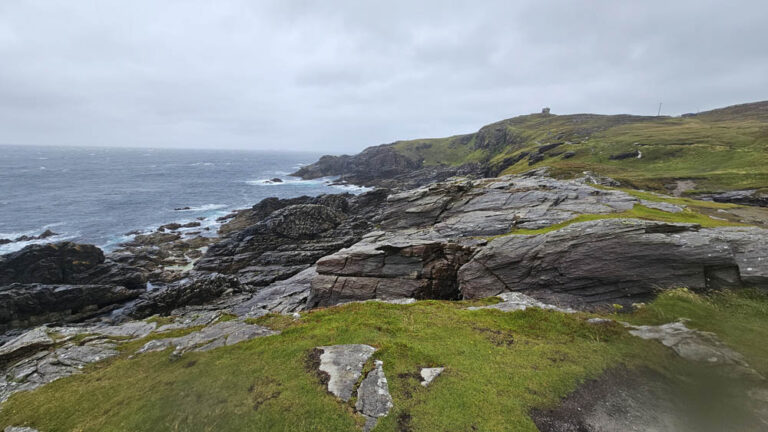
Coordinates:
[98,195]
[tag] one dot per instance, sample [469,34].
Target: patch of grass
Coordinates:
[688,215]
[498,366]
[264,384]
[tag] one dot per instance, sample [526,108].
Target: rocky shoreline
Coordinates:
[447,240]
[573,244]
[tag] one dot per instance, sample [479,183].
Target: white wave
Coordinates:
[269,182]
[202,164]
[355,189]
[204,207]
[15,246]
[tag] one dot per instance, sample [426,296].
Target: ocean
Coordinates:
[99,195]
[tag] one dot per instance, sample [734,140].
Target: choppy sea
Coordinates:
[98,195]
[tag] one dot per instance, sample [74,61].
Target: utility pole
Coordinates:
[659,113]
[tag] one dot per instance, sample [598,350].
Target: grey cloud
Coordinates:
[341,75]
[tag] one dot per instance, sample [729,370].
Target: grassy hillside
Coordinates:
[499,365]
[724,149]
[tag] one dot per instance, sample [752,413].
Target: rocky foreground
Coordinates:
[530,239]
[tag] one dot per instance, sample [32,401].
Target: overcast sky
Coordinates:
[337,76]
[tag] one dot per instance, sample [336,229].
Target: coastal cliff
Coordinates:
[387,309]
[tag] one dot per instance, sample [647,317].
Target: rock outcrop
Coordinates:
[66,263]
[291,237]
[433,245]
[617,261]
[390,267]
[25,305]
[197,288]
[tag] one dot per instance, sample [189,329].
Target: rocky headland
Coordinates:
[426,232]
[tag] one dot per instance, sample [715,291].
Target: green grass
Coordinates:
[498,366]
[688,215]
[719,150]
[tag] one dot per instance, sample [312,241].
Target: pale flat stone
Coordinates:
[344,365]
[429,374]
[515,301]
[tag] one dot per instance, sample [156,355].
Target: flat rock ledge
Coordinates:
[31,360]
[19,429]
[217,335]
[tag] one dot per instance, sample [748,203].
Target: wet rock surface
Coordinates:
[695,345]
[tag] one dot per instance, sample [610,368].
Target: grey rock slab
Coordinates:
[284,296]
[45,367]
[214,336]
[617,260]
[373,398]
[429,374]
[344,366]
[32,341]
[515,301]
[19,429]
[131,329]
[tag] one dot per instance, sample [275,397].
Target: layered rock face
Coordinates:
[388,267]
[434,246]
[62,282]
[66,263]
[617,261]
[291,237]
[25,305]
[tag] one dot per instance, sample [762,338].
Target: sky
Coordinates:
[338,76]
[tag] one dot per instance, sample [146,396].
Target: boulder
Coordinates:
[66,263]
[617,261]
